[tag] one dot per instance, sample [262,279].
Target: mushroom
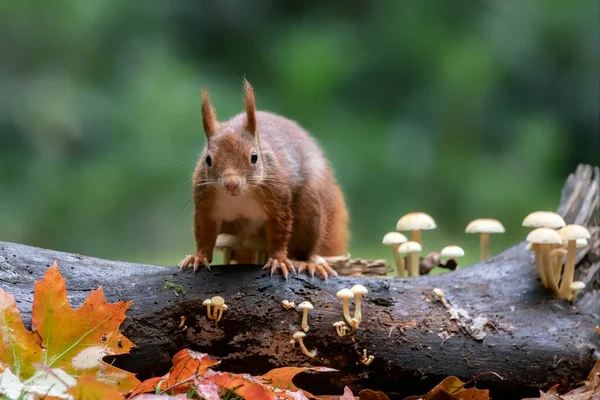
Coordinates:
[207,303]
[358,290]
[484,226]
[570,234]
[288,304]
[299,336]
[575,288]
[452,253]
[259,245]
[226,242]
[415,222]
[340,328]
[305,306]
[543,219]
[545,237]
[346,294]
[556,255]
[412,250]
[366,360]
[395,239]
[219,306]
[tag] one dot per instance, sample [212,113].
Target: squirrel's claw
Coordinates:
[280,263]
[319,265]
[194,260]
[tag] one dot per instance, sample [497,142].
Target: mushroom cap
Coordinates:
[543,219]
[392,238]
[452,252]
[577,285]
[255,243]
[409,247]
[485,225]
[574,232]
[227,240]
[416,221]
[544,236]
[345,294]
[339,323]
[305,305]
[207,302]
[217,301]
[299,335]
[225,307]
[359,289]
[438,292]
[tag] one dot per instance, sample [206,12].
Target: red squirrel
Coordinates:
[262,174]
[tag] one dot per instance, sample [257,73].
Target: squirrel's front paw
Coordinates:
[319,265]
[280,262]
[194,260]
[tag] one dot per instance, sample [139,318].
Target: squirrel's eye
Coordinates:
[209,161]
[254,158]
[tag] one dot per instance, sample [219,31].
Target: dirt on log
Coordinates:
[506,322]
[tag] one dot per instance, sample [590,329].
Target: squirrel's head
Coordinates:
[231,160]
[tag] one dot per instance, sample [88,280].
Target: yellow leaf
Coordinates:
[453,388]
[19,348]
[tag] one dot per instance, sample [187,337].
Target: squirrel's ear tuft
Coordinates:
[209,117]
[250,107]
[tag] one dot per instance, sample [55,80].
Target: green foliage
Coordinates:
[461,109]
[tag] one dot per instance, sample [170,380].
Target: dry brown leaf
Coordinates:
[453,388]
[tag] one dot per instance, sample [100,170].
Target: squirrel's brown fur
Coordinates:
[289,193]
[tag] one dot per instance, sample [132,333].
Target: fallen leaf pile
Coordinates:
[62,355]
[589,390]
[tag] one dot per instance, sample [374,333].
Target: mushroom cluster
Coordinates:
[552,241]
[357,291]
[226,243]
[218,304]
[407,253]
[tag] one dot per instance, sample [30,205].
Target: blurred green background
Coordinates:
[461,109]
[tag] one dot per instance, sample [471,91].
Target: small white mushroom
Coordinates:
[299,336]
[340,328]
[218,304]
[415,222]
[570,234]
[207,303]
[575,288]
[346,294]
[412,250]
[395,239]
[545,237]
[366,360]
[305,306]
[226,242]
[288,305]
[358,291]
[484,226]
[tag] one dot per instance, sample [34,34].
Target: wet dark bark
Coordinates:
[533,340]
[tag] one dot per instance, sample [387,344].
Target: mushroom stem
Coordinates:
[347,316]
[311,354]
[226,255]
[547,266]
[540,268]
[415,236]
[305,320]
[413,263]
[399,260]
[357,313]
[219,313]
[484,246]
[567,278]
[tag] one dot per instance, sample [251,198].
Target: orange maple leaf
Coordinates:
[89,388]
[281,378]
[71,340]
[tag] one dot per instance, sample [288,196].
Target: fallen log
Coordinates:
[505,322]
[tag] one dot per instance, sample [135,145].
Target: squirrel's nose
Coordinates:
[231,183]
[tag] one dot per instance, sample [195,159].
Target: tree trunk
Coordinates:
[514,327]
